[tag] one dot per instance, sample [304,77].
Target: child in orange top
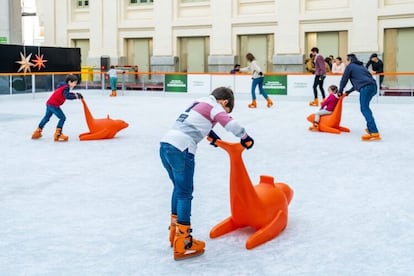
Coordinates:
[327,106]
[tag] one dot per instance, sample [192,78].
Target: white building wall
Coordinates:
[4,20]
[107,23]
[11,21]
[163,33]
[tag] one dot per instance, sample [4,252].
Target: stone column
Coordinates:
[103,30]
[221,58]
[163,59]
[364,40]
[287,56]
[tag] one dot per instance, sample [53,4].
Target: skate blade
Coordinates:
[377,139]
[188,255]
[371,139]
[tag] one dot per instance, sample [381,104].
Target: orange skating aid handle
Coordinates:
[230,147]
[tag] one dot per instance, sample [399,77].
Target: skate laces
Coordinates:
[188,242]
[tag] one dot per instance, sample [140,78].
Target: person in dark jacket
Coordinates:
[377,66]
[363,82]
[236,69]
[62,93]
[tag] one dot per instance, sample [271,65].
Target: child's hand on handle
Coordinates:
[79,95]
[247,141]
[213,137]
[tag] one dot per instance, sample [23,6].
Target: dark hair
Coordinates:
[334,88]
[315,49]
[351,57]
[71,78]
[250,57]
[339,58]
[224,93]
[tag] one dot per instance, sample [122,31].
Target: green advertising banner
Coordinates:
[275,85]
[3,40]
[175,83]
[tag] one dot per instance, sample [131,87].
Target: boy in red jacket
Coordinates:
[53,104]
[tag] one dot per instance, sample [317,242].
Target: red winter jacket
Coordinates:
[60,95]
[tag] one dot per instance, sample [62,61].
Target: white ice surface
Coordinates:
[102,207]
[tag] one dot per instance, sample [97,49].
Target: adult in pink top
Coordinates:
[320,74]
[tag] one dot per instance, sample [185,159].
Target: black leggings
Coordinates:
[318,82]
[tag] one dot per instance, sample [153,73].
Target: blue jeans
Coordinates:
[255,83]
[180,168]
[366,93]
[50,110]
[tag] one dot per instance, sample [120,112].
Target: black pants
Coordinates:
[381,79]
[318,82]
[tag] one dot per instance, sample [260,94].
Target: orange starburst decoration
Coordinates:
[25,63]
[39,62]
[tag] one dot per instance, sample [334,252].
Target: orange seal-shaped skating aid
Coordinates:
[263,206]
[105,128]
[331,123]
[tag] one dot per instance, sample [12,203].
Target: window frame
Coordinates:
[141,2]
[82,4]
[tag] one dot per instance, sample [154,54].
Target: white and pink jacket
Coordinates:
[196,121]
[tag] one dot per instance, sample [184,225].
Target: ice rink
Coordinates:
[102,207]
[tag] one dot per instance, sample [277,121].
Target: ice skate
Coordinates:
[269,102]
[37,133]
[371,137]
[252,104]
[173,229]
[315,102]
[185,246]
[314,126]
[59,136]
